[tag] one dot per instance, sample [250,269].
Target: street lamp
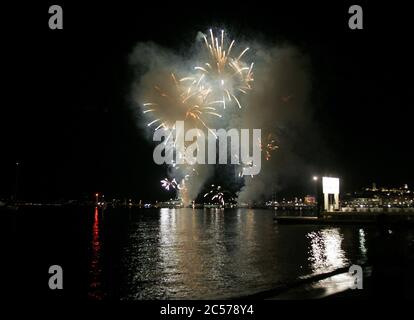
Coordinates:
[16,185]
[315,179]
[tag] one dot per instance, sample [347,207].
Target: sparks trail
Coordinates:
[268,146]
[216,194]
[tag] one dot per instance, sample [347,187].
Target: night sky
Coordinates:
[66,111]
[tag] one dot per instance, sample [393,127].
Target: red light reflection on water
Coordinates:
[95,267]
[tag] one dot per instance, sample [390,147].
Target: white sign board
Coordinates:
[330,185]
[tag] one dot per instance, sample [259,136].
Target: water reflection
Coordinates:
[211,251]
[362,245]
[214,254]
[326,253]
[186,255]
[95,270]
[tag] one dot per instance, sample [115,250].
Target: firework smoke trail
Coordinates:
[183,193]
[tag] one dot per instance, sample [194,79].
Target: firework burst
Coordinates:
[180,100]
[227,74]
[216,194]
[167,184]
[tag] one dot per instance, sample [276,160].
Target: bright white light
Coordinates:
[362,245]
[330,185]
[326,252]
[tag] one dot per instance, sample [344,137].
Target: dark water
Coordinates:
[176,253]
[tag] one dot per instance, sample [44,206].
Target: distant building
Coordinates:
[382,197]
[310,200]
[172,203]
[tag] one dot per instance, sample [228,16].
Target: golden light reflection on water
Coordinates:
[184,246]
[197,245]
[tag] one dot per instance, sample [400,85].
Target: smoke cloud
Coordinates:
[280,106]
